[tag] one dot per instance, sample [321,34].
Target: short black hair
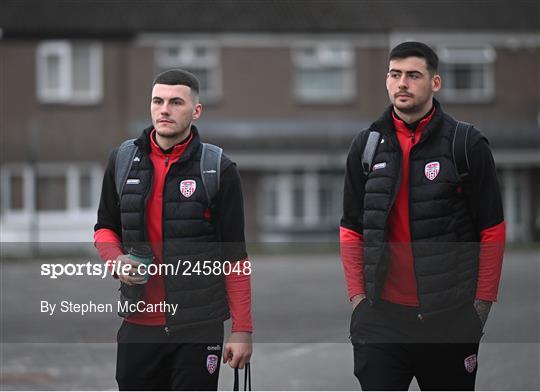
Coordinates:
[178,76]
[416,49]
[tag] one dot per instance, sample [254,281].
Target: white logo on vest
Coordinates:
[431,170]
[187,187]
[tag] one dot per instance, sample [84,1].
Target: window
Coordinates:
[15,197]
[69,72]
[49,188]
[51,192]
[324,73]
[467,74]
[200,59]
[302,200]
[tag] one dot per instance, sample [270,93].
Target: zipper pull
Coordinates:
[412,136]
[166,161]
[420,317]
[167,330]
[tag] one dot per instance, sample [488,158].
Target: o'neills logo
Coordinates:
[431,170]
[187,187]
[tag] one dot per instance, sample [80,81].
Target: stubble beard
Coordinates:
[412,107]
[168,133]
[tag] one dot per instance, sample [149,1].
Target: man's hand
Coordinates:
[482,308]
[355,301]
[129,276]
[238,349]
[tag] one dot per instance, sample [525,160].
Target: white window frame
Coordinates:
[64,93]
[468,55]
[285,218]
[321,59]
[29,173]
[187,58]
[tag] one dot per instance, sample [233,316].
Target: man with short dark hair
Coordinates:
[172,203]
[422,236]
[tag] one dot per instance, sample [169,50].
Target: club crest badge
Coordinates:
[470,363]
[431,170]
[212,363]
[187,187]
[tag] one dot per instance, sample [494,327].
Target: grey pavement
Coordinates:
[301,317]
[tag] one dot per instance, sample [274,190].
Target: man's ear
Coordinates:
[197,110]
[436,83]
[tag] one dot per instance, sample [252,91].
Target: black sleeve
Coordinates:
[485,198]
[353,192]
[108,215]
[230,207]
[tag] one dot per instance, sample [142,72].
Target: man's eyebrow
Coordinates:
[170,99]
[407,72]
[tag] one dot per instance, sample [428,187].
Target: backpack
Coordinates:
[459,150]
[210,167]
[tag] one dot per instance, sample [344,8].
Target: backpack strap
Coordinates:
[369,151]
[122,165]
[211,170]
[459,149]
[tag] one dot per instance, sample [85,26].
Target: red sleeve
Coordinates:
[238,287]
[490,264]
[352,257]
[108,245]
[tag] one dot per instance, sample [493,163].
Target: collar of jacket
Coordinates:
[143,142]
[385,123]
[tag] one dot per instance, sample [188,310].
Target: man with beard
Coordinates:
[183,211]
[422,236]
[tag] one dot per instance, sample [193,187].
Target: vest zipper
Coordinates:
[385,237]
[166,328]
[420,316]
[412,136]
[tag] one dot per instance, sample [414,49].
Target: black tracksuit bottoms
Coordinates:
[392,345]
[148,358]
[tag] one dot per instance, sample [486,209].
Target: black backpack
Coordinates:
[459,150]
[210,167]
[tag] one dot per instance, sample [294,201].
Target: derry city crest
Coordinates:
[187,187]
[431,170]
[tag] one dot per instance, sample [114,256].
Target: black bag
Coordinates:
[247,378]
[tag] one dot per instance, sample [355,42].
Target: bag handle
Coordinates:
[247,379]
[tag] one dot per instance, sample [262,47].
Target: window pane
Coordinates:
[298,197]
[85,190]
[51,193]
[52,75]
[321,82]
[81,68]
[468,77]
[16,193]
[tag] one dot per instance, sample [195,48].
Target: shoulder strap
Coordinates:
[122,165]
[210,169]
[369,151]
[459,148]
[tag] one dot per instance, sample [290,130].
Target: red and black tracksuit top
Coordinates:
[152,209]
[412,232]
